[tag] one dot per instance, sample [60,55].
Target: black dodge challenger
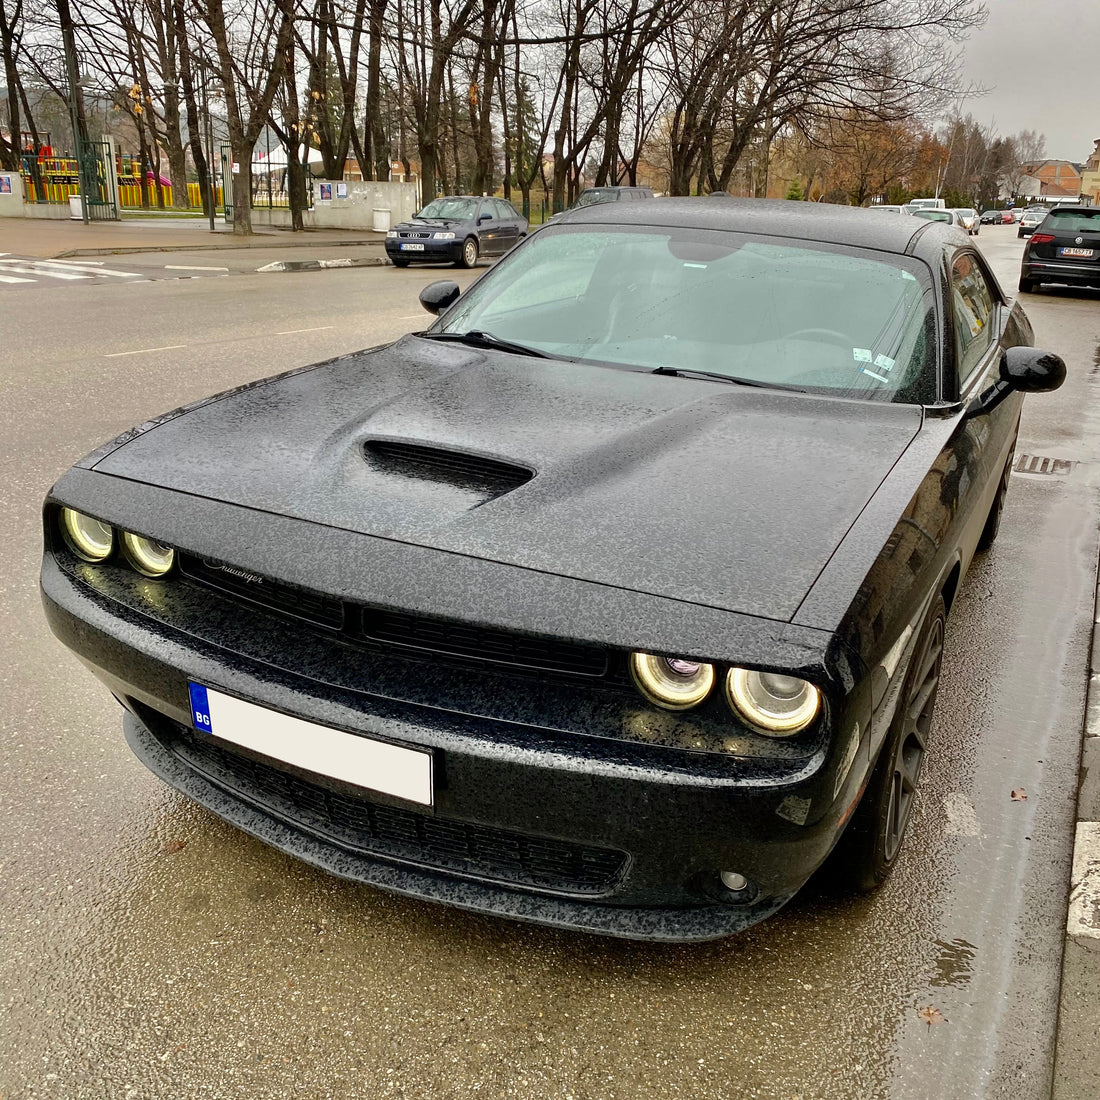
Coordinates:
[615,600]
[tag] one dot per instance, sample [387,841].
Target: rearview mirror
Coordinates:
[1027,370]
[436,297]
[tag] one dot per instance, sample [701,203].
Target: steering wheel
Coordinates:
[829,333]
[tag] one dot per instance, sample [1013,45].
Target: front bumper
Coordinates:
[655,829]
[434,252]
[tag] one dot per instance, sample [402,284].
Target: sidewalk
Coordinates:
[44,239]
[1077,1057]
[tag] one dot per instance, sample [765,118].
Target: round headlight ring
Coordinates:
[147,556]
[88,538]
[771,702]
[674,683]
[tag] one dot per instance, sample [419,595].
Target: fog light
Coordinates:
[90,539]
[731,880]
[147,556]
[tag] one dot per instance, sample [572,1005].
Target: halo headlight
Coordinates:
[674,683]
[771,702]
[147,556]
[88,538]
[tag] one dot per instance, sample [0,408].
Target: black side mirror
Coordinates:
[484,218]
[436,297]
[1027,370]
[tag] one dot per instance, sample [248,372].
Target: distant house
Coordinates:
[1090,177]
[1058,179]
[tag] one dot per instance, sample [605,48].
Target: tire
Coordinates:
[1027,286]
[400,263]
[993,520]
[1019,232]
[868,850]
[469,253]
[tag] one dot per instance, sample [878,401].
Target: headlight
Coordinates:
[443,236]
[391,233]
[88,538]
[148,556]
[772,703]
[674,683]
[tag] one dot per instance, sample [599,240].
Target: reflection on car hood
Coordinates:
[716,494]
[432,223]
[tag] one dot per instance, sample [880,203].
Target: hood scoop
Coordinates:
[478,475]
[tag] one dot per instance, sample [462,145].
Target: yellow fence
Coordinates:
[57,184]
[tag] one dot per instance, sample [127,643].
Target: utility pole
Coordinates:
[80,130]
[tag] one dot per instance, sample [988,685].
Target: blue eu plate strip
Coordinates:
[200,708]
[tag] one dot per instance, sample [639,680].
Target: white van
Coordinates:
[926,204]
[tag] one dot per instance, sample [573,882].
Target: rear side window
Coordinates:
[1075,221]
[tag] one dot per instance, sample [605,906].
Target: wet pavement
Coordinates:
[149,950]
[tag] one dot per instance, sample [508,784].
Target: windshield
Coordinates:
[934,215]
[808,316]
[452,209]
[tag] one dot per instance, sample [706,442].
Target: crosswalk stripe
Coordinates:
[13,279]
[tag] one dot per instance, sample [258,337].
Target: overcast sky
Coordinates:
[1041,62]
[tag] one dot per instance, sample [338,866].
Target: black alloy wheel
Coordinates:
[469,252]
[868,850]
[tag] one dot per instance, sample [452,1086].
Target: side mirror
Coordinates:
[436,297]
[1027,370]
[484,218]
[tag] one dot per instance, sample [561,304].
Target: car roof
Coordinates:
[821,222]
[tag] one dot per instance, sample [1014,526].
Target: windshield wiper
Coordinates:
[688,372]
[477,338]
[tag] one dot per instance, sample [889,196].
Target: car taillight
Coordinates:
[1041,238]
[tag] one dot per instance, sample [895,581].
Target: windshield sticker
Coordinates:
[862,355]
[884,362]
[864,370]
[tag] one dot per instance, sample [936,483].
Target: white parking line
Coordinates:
[292,331]
[24,269]
[97,269]
[180,267]
[142,351]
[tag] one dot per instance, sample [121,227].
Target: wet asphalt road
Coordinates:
[148,950]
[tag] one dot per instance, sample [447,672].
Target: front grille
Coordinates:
[415,236]
[442,464]
[299,602]
[380,627]
[390,833]
[464,640]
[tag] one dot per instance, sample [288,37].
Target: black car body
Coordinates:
[1064,248]
[482,560]
[456,229]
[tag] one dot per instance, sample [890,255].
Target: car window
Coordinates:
[488,209]
[815,317]
[973,305]
[1075,221]
[505,209]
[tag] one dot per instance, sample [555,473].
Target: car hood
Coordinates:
[433,223]
[722,495]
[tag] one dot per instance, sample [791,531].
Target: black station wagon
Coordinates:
[615,600]
[456,229]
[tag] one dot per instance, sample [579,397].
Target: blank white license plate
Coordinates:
[375,765]
[1083,253]
[407,247]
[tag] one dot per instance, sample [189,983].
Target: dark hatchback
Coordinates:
[615,600]
[457,229]
[1065,248]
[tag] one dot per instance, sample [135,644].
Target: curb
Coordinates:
[317,265]
[211,246]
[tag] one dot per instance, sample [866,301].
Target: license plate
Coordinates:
[1083,253]
[407,247]
[362,761]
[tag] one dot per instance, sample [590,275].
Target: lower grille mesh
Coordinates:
[389,832]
